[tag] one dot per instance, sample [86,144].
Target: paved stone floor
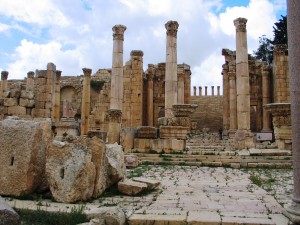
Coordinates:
[199,195]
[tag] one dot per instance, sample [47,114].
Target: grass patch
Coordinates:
[256,180]
[40,217]
[151,151]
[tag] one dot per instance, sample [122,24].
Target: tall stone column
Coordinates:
[4,76]
[266,98]
[293,24]
[116,92]
[85,101]
[205,90]
[232,102]
[242,76]
[200,91]
[187,84]
[180,97]
[195,91]
[171,68]
[212,90]
[30,81]
[56,103]
[226,115]
[151,71]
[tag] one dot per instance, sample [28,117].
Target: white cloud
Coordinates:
[4,27]
[41,12]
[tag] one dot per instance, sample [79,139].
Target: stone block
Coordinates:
[203,218]
[131,161]
[15,93]
[3,110]
[16,110]
[40,113]
[126,138]
[129,187]
[159,145]
[10,102]
[22,155]
[151,184]
[177,132]
[27,94]
[39,105]
[29,103]
[146,132]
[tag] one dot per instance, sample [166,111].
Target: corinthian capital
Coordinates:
[240,24]
[4,75]
[172,28]
[119,32]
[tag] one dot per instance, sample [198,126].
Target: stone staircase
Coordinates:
[208,150]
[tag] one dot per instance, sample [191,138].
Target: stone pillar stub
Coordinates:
[242,76]
[226,88]
[293,24]
[171,86]
[3,91]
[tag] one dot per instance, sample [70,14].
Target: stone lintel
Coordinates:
[114,115]
[240,24]
[4,75]
[278,109]
[30,74]
[118,32]
[87,71]
[172,28]
[146,132]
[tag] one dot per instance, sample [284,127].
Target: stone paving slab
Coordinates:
[196,195]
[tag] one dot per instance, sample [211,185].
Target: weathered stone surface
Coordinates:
[151,184]
[8,215]
[159,145]
[178,132]
[22,155]
[27,94]
[10,102]
[131,161]
[129,187]
[27,103]
[108,215]
[76,171]
[16,110]
[126,138]
[146,132]
[116,164]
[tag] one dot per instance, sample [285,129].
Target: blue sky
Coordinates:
[78,33]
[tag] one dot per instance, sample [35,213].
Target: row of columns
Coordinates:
[205,93]
[236,87]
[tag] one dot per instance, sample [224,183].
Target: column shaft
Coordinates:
[180,89]
[187,84]
[151,71]
[30,81]
[232,107]
[242,75]
[4,76]
[85,101]
[266,98]
[171,68]
[226,115]
[56,104]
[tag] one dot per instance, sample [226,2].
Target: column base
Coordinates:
[292,211]
[266,130]
[231,133]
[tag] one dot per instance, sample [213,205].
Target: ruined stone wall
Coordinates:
[209,113]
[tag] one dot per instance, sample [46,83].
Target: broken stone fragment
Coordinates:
[129,187]
[151,184]
[7,214]
[107,216]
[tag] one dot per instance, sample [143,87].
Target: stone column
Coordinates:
[116,95]
[293,24]
[205,90]
[116,92]
[200,91]
[266,98]
[180,94]
[232,102]
[30,81]
[187,84]
[212,90]
[195,91]
[218,90]
[171,68]
[4,76]
[226,115]
[242,76]
[85,101]
[151,71]
[56,103]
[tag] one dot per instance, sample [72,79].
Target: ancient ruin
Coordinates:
[75,135]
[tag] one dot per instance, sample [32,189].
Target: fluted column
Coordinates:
[242,76]
[85,101]
[232,102]
[4,76]
[56,103]
[266,98]
[30,81]
[116,92]
[293,24]
[226,115]
[151,71]
[171,68]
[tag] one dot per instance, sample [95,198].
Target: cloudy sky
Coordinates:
[78,33]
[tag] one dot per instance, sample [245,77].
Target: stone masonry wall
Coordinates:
[209,113]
